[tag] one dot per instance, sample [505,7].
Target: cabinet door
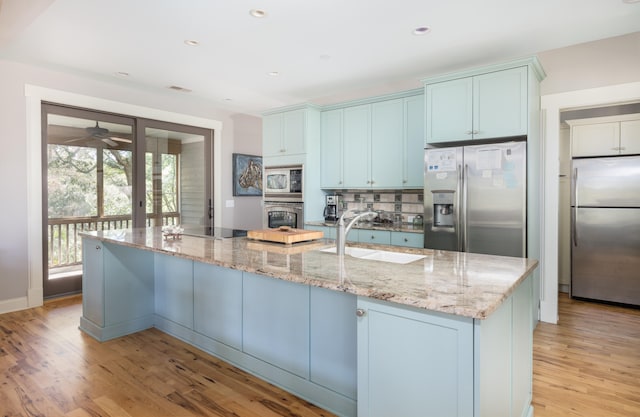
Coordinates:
[413,364]
[328,232]
[294,132]
[92,281]
[272,130]
[331,149]
[380,237]
[630,137]
[449,111]
[217,303]
[174,289]
[276,322]
[412,240]
[595,139]
[356,147]
[414,142]
[333,341]
[500,104]
[387,144]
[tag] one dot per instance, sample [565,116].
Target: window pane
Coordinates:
[72,181]
[169,183]
[117,178]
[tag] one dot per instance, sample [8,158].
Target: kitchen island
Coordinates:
[448,334]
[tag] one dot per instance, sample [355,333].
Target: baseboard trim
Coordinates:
[14,304]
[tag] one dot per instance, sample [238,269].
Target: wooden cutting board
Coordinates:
[285,235]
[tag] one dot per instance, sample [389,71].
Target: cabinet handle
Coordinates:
[98,247]
[475,132]
[468,132]
[373,237]
[372,182]
[406,240]
[283,150]
[339,182]
[404,181]
[360,312]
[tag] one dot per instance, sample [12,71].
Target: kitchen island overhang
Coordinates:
[137,279]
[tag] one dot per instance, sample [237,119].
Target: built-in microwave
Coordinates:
[283,183]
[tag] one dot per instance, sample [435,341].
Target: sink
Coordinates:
[378,255]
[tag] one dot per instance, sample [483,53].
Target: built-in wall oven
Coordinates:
[282,213]
[283,203]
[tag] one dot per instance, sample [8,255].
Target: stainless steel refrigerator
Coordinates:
[605,229]
[475,199]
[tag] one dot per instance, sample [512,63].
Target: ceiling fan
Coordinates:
[99,134]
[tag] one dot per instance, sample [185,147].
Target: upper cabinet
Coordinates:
[491,105]
[605,136]
[373,145]
[284,133]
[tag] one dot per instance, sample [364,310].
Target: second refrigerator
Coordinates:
[475,199]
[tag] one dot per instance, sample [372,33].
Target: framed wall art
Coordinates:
[247,175]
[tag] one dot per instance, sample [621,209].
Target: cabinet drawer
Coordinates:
[380,237]
[412,240]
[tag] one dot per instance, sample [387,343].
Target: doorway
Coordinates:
[104,171]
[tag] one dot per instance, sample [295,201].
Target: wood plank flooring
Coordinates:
[50,368]
[587,365]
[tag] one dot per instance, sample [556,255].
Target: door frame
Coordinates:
[34,96]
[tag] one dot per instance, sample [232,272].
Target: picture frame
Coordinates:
[247,175]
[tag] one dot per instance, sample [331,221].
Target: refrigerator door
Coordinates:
[442,198]
[606,254]
[495,191]
[606,182]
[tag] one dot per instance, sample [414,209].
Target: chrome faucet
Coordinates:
[342,231]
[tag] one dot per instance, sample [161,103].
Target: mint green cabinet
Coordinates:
[378,237]
[333,341]
[328,231]
[217,303]
[387,144]
[174,289]
[331,153]
[284,133]
[356,147]
[374,145]
[276,322]
[92,281]
[413,363]
[485,106]
[412,240]
[413,142]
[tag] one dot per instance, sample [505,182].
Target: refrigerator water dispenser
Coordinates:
[443,210]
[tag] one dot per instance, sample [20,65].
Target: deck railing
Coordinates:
[65,245]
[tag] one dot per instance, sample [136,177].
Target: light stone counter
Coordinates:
[464,284]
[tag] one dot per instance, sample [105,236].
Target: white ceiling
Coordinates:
[324,50]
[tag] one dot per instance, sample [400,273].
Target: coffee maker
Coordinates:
[332,208]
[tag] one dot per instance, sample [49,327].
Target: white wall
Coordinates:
[16,268]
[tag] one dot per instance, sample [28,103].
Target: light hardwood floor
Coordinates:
[588,365]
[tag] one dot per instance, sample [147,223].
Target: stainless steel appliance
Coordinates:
[332,208]
[283,183]
[605,229]
[475,199]
[281,213]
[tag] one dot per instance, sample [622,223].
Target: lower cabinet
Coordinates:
[333,340]
[275,324]
[412,240]
[217,303]
[174,289]
[379,237]
[413,363]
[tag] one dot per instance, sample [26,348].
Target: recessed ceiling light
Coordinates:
[259,13]
[228,99]
[273,73]
[191,42]
[122,74]
[421,30]
[325,57]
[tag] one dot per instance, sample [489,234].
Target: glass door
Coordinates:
[177,179]
[89,186]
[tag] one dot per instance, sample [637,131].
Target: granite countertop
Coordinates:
[464,284]
[404,227]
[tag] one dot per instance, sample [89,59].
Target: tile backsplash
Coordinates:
[408,203]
